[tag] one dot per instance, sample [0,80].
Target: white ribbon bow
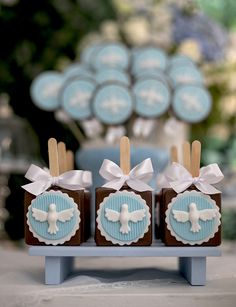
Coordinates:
[179,179]
[136,179]
[42,180]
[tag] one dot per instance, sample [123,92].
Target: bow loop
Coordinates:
[42,180]
[136,179]
[179,178]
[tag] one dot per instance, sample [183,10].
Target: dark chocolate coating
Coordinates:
[101,193]
[166,237]
[79,199]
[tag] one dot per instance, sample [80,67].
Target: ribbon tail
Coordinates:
[180,186]
[206,188]
[36,188]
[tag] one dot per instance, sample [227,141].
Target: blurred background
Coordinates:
[50,35]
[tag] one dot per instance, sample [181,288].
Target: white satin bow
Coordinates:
[179,179]
[42,180]
[136,179]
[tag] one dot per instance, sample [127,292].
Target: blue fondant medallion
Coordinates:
[112,75]
[187,74]
[111,55]
[148,59]
[152,98]
[76,98]
[77,70]
[123,217]
[45,89]
[191,103]
[193,217]
[53,217]
[112,104]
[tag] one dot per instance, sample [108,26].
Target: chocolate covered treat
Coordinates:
[124,203]
[56,202]
[190,208]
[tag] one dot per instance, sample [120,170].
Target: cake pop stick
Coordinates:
[53,157]
[62,159]
[70,160]
[195,158]
[186,156]
[174,154]
[125,154]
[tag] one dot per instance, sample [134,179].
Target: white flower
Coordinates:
[136,30]
[110,30]
[191,48]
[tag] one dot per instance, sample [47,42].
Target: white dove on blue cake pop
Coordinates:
[52,216]
[194,215]
[124,217]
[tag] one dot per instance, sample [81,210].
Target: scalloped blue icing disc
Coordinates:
[180,59]
[116,231]
[149,58]
[87,54]
[45,89]
[76,98]
[77,70]
[187,74]
[183,229]
[113,104]
[111,55]
[112,75]
[152,98]
[191,103]
[39,224]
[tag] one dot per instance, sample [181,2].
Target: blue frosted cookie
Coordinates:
[193,217]
[112,104]
[123,218]
[191,103]
[111,55]
[76,98]
[152,97]
[45,90]
[53,217]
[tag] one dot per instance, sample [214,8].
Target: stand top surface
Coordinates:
[157,249]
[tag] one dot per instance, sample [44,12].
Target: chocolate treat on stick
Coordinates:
[124,203]
[191,206]
[55,200]
[158,198]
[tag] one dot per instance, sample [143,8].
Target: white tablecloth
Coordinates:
[139,282]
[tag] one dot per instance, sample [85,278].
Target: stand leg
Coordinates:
[193,270]
[57,269]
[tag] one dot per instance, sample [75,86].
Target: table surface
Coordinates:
[117,281]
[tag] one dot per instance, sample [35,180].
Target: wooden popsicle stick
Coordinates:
[53,157]
[125,154]
[174,154]
[62,159]
[70,160]
[195,158]
[186,156]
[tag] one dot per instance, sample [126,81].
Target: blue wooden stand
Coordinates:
[59,259]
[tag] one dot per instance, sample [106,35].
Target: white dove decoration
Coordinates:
[124,217]
[52,216]
[194,215]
